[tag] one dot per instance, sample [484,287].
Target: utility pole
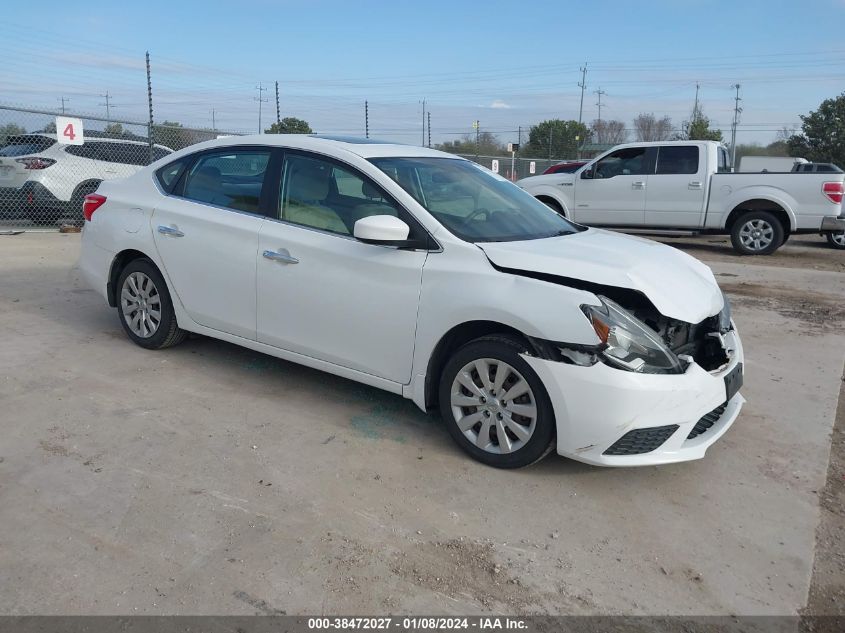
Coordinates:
[583,85]
[429,128]
[366,120]
[107,97]
[213,120]
[63,99]
[600,93]
[278,111]
[477,126]
[695,107]
[260,98]
[423,122]
[737,111]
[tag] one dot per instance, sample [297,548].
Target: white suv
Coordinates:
[45,181]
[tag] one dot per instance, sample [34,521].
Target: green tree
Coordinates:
[487,145]
[113,129]
[290,125]
[173,135]
[556,138]
[698,128]
[822,137]
[10,129]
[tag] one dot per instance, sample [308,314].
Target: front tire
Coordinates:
[494,404]
[145,308]
[757,233]
[836,240]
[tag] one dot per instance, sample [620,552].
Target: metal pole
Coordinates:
[423,122]
[366,119]
[278,111]
[429,128]
[477,138]
[261,89]
[551,130]
[737,110]
[150,106]
[583,86]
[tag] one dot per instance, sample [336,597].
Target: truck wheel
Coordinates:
[757,233]
[836,240]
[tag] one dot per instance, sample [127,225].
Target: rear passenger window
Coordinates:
[231,179]
[169,174]
[677,159]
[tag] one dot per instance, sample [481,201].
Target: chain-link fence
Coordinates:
[516,168]
[50,161]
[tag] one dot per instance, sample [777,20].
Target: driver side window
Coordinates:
[631,161]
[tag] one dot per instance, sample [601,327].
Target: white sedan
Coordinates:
[426,275]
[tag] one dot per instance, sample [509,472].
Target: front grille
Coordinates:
[707,421]
[641,441]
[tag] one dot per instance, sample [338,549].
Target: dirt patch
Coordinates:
[462,568]
[801,251]
[814,308]
[827,586]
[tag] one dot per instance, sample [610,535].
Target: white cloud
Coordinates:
[498,104]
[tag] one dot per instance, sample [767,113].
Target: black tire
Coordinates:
[506,348]
[553,205]
[74,209]
[760,217]
[167,332]
[836,240]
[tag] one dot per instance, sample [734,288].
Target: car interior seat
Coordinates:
[306,198]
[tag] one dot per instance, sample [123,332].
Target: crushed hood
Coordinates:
[678,285]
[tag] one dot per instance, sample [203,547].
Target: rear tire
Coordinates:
[836,240]
[757,233]
[144,307]
[504,418]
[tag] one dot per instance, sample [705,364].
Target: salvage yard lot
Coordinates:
[209,479]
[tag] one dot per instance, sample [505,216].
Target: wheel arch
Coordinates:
[454,339]
[778,209]
[120,261]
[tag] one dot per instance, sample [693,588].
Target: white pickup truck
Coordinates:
[689,186]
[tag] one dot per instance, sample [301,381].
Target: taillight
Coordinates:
[35,163]
[93,201]
[833,191]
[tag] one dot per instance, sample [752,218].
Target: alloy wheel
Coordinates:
[756,235]
[140,304]
[493,406]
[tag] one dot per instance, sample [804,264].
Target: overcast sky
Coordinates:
[507,64]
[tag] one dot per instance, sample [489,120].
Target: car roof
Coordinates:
[365,148]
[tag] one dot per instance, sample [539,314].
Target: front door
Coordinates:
[612,191]
[324,294]
[207,238]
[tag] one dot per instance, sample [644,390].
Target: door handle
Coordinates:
[281,256]
[169,230]
[695,184]
[639,184]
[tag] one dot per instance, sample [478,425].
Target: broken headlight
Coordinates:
[725,316]
[629,343]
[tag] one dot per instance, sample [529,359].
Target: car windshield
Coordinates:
[474,203]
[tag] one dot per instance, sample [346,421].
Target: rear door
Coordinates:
[676,190]
[612,192]
[207,235]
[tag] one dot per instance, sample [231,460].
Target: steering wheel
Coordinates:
[476,213]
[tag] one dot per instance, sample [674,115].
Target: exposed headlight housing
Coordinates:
[725,316]
[628,342]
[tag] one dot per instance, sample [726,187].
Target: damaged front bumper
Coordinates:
[611,417]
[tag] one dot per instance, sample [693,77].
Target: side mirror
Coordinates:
[587,174]
[382,229]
